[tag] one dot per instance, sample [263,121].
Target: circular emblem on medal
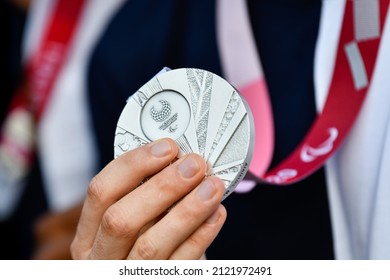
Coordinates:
[202,112]
[165,114]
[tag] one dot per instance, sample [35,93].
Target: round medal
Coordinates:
[201,111]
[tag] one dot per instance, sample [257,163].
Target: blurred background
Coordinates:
[116,47]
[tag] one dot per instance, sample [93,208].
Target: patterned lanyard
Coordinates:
[355,61]
[17,147]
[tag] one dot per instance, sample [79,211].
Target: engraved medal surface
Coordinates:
[202,112]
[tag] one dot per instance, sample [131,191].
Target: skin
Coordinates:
[54,232]
[175,214]
[22,4]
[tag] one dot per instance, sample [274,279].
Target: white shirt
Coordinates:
[66,144]
[358,175]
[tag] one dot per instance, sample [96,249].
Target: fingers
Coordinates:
[178,226]
[123,221]
[54,233]
[195,246]
[56,248]
[118,178]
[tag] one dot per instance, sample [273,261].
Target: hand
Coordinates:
[54,233]
[175,214]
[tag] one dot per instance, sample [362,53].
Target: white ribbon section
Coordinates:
[65,139]
[357,176]
[356,64]
[366,19]
[241,68]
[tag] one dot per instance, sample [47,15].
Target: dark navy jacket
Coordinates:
[267,223]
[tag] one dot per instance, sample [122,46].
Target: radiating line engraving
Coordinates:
[234,103]
[200,86]
[183,144]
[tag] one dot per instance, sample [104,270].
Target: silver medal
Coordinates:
[202,112]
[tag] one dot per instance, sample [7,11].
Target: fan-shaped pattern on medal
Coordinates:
[199,110]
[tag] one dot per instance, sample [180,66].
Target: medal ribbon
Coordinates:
[355,61]
[30,101]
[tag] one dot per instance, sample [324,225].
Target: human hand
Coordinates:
[176,214]
[54,233]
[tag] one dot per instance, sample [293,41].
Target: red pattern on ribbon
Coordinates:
[355,62]
[31,99]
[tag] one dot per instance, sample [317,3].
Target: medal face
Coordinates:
[202,112]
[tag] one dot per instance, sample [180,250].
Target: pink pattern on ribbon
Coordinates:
[256,95]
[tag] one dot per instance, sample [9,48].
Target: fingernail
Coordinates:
[161,148]
[206,190]
[188,167]
[213,218]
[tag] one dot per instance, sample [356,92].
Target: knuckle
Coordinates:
[75,251]
[145,249]
[115,223]
[197,242]
[191,212]
[95,190]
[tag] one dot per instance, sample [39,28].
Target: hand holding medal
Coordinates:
[176,213]
[200,111]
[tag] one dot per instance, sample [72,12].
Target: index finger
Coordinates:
[118,178]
